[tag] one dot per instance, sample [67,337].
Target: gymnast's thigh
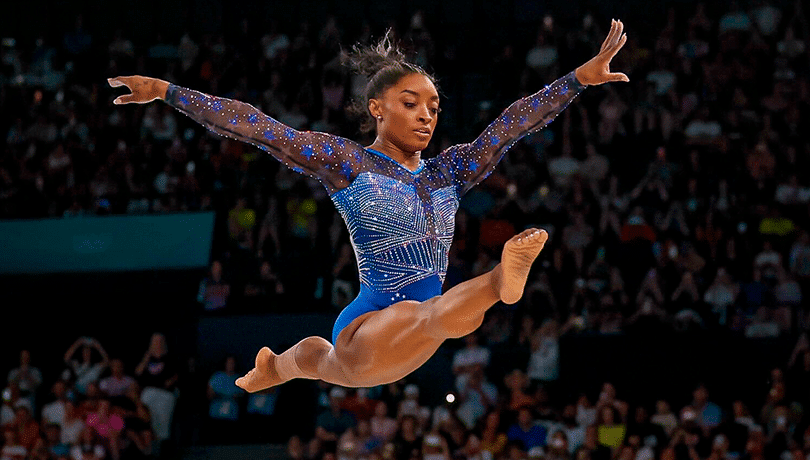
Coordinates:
[391,342]
[357,308]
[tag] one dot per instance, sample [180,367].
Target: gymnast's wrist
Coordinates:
[162,88]
[577,79]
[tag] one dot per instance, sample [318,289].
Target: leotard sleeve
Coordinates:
[472,163]
[331,159]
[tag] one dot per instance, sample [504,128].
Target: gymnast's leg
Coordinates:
[384,346]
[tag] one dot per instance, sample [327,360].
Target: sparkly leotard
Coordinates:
[401,222]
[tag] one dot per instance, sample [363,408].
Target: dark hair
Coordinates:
[384,64]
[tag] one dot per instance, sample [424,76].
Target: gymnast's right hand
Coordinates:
[144,89]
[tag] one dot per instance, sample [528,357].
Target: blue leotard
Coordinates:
[401,222]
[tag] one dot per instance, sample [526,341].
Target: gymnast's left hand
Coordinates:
[144,89]
[597,70]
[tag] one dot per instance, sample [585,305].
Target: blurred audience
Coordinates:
[676,202]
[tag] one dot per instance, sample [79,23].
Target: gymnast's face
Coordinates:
[407,112]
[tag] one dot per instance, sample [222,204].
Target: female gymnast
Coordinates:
[399,209]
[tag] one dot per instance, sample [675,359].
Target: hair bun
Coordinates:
[383,64]
[369,59]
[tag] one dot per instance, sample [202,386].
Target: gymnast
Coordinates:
[399,210]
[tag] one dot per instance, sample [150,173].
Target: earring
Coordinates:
[379,117]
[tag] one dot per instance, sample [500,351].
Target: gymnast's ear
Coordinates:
[375,107]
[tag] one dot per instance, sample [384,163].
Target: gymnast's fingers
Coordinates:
[616,76]
[611,52]
[125,99]
[607,41]
[119,81]
[616,36]
[619,31]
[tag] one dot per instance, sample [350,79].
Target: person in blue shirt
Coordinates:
[399,209]
[526,431]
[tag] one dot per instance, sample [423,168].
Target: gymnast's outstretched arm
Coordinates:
[324,156]
[472,163]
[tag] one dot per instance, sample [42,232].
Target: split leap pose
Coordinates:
[399,209]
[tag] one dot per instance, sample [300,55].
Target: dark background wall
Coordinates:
[457,20]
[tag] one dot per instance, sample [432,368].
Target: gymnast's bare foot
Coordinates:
[518,255]
[263,375]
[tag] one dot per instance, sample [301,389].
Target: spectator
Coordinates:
[791,46]
[88,447]
[493,438]
[592,446]
[359,404]
[26,378]
[707,414]
[762,326]
[787,293]
[383,427]
[138,434]
[73,426]
[296,449]
[334,421]
[468,358]
[117,384]
[25,425]
[577,237]
[768,262]
[517,384]
[85,371]
[596,167]
[686,297]
[223,408]
[53,441]
[410,404]
[734,20]
[544,361]
[641,427]
[260,414]
[407,442]
[356,441]
[526,432]
[664,417]
[703,129]
[563,168]
[472,449]
[267,286]
[55,411]
[214,290]
[557,447]
[12,447]
[476,397]
[610,428]
[106,428]
[157,374]
[721,295]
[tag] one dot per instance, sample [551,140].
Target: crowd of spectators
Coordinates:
[101,408]
[94,408]
[674,203]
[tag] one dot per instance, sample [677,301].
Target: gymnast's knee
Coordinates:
[356,367]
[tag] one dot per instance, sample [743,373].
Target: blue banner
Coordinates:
[103,244]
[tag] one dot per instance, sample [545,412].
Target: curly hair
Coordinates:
[384,64]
